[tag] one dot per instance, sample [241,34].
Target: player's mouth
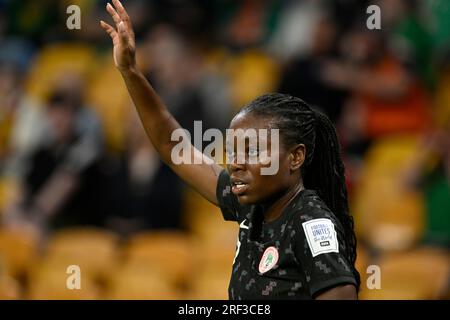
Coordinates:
[238,187]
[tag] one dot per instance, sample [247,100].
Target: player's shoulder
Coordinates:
[316,225]
[309,208]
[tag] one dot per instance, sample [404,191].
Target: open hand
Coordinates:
[122,36]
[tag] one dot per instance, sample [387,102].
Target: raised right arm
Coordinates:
[156,118]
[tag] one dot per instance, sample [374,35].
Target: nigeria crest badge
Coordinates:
[268,260]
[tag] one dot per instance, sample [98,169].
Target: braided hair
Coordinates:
[323,169]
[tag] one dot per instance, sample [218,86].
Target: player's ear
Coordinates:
[297,156]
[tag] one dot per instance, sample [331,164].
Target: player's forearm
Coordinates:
[156,118]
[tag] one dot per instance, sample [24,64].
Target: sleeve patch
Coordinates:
[321,236]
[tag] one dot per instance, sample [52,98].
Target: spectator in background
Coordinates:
[9,100]
[386,97]
[292,36]
[142,10]
[20,120]
[404,23]
[345,11]
[141,193]
[193,18]
[178,72]
[248,23]
[37,21]
[429,173]
[302,77]
[59,176]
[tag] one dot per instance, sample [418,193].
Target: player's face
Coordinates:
[248,184]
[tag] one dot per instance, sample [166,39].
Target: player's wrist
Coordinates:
[128,70]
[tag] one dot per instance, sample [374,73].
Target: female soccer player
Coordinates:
[296,238]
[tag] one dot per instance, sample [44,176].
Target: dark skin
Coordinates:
[273,192]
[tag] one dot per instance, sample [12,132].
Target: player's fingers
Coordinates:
[123,34]
[122,14]
[108,28]
[113,14]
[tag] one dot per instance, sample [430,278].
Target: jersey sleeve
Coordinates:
[228,202]
[321,252]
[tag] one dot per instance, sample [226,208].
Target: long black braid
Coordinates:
[323,169]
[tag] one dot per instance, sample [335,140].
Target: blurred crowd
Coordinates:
[73,153]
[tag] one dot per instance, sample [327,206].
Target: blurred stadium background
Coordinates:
[81,185]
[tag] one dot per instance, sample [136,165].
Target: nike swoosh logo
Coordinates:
[242,225]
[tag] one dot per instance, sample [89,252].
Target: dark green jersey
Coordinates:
[297,256]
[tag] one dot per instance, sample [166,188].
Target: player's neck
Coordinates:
[276,208]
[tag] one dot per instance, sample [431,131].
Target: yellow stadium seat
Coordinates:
[94,250]
[215,238]
[362,261]
[48,281]
[205,220]
[109,97]
[9,190]
[9,288]
[56,60]
[251,74]
[134,283]
[423,273]
[210,284]
[210,227]
[387,215]
[169,253]
[18,251]
[216,254]
[197,209]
